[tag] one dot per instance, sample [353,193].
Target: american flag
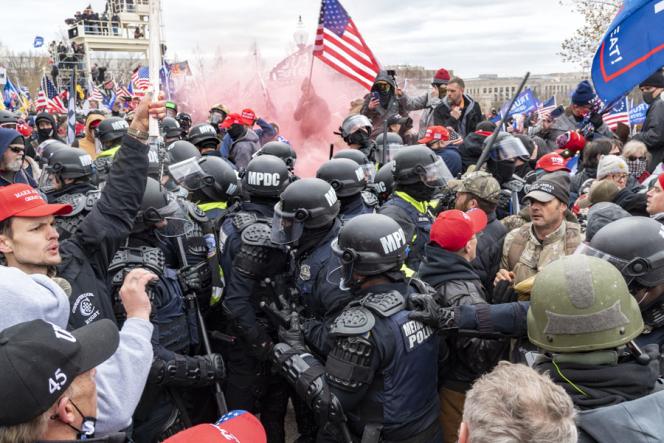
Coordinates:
[141,80]
[544,109]
[122,91]
[95,93]
[340,45]
[48,97]
[619,113]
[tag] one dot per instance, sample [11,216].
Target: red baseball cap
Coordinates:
[453,229]
[571,141]
[21,200]
[660,179]
[434,133]
[552,162]
[241,427]
[248,116]
[232,119]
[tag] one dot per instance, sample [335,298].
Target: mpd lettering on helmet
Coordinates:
[119,125]
[393,241]
[415,333]
[85,160]
[263,178]
[331,197]
[359,172]
[207,129]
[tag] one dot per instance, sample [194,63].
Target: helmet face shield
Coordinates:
[287,227]
[189,174]
[48,181]
[436,174]
[508,148]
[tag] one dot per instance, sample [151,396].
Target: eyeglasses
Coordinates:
[17,149]
[633,159]
[383,86]
[619,176]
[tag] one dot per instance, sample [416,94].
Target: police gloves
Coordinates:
[425,309]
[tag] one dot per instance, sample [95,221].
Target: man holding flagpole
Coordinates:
[652,133]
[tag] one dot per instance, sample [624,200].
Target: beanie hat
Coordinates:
[583,94]
[442,77]
[611,164]
[656,79]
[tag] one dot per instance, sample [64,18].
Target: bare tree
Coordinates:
[597,14]
[25,68]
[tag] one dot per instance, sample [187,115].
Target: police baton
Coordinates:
[219,394]
[492,138]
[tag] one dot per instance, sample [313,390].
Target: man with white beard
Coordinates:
[12,152]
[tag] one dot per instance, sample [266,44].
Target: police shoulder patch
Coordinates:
[356,320]
[384,304]
[243,219]
[196,213]
[77,202]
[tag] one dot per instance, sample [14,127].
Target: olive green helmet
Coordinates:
[581,303]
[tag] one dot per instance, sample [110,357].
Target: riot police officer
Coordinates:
[355,130]
[254,271]
[348,180]
[282,150]
[374,344]
[369,169]
[151,245]
[184,120]
[177,152]
[68,178]
[214,186]
[109,133]
[419,174]
[204,137]
[171,130]
[387,146]
[383,184]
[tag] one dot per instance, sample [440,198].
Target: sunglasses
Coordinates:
[633,159]
[17,149]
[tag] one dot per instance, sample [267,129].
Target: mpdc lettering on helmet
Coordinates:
[331,197]
[263,178]
[85,160]
[231,189]
[119,125]
[359,172]
[392,242]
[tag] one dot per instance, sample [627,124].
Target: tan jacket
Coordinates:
[525,255]
[87,143]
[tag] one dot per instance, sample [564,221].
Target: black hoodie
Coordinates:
[389,104]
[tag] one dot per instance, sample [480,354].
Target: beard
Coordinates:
[13,166]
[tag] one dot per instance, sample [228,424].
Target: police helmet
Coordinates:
[393,144]
[354,122]
[66,163]
[369,244]
[7,117]
[344,175]
[265,176]
[203,133]
[634,245]
[282,150]
[47,148]
[580,303]
[307,203]
[184,120]
[383,184]
[361,159]
[219,182]
[111,129]
[419,164]
[155,206]
[181,150]
[170,128]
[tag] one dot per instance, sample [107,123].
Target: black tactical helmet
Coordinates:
[369,244]
[223,185]
[392,139]
[181,150]
[282,150]
[361,159]
[346,176]
[634,245]
[383,184]
[111,129]
[394,143]
[170,128]
[265,176]
[7,117]
[419,164]
[47,148]
[184,120]
[201,133]
[155,207]
[66,163]
[306,203]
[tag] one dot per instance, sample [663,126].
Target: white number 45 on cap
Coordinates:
[56,382]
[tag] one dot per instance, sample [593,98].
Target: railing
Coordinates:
[108,28]
[118,6]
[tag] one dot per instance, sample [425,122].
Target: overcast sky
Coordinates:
[506,37]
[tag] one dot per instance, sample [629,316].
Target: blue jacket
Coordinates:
[7,136]
[265,132]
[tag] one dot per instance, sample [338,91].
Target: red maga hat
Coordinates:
[453,229]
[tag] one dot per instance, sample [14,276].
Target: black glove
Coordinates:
[426,310]
[260,343]
[503,292]
[191,277]
[596,120]
[215,365]
[293,336]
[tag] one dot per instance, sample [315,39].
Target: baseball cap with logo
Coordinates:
[248,116]
[550,186]
[479,183]
[552,162]
[21,200]
[453,229]
[232,119]
[434,133]
[40,360]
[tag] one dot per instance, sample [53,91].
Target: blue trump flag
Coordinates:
[524,103]
[637,115]
[631,50]
[39,42]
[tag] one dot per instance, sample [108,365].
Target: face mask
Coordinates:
[649,97]
[636,168]
[235,131]
[215,119]
[358,138]
[88,425]
[45,132]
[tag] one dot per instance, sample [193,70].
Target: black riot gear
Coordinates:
[47,148]
[265,176]
[282,150]
[71,163]
[181,150]
[308,203]
[344,175]
[111,130]
[7,117]
[171,129]
[361,159]
[184,120]
[386,152]
[203,135]
[383,184]
[222,183]
[155,207]
[419,164]
[370,244]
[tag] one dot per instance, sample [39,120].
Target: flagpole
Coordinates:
[154,59]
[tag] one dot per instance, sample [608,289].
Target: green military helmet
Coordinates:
[581,303]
